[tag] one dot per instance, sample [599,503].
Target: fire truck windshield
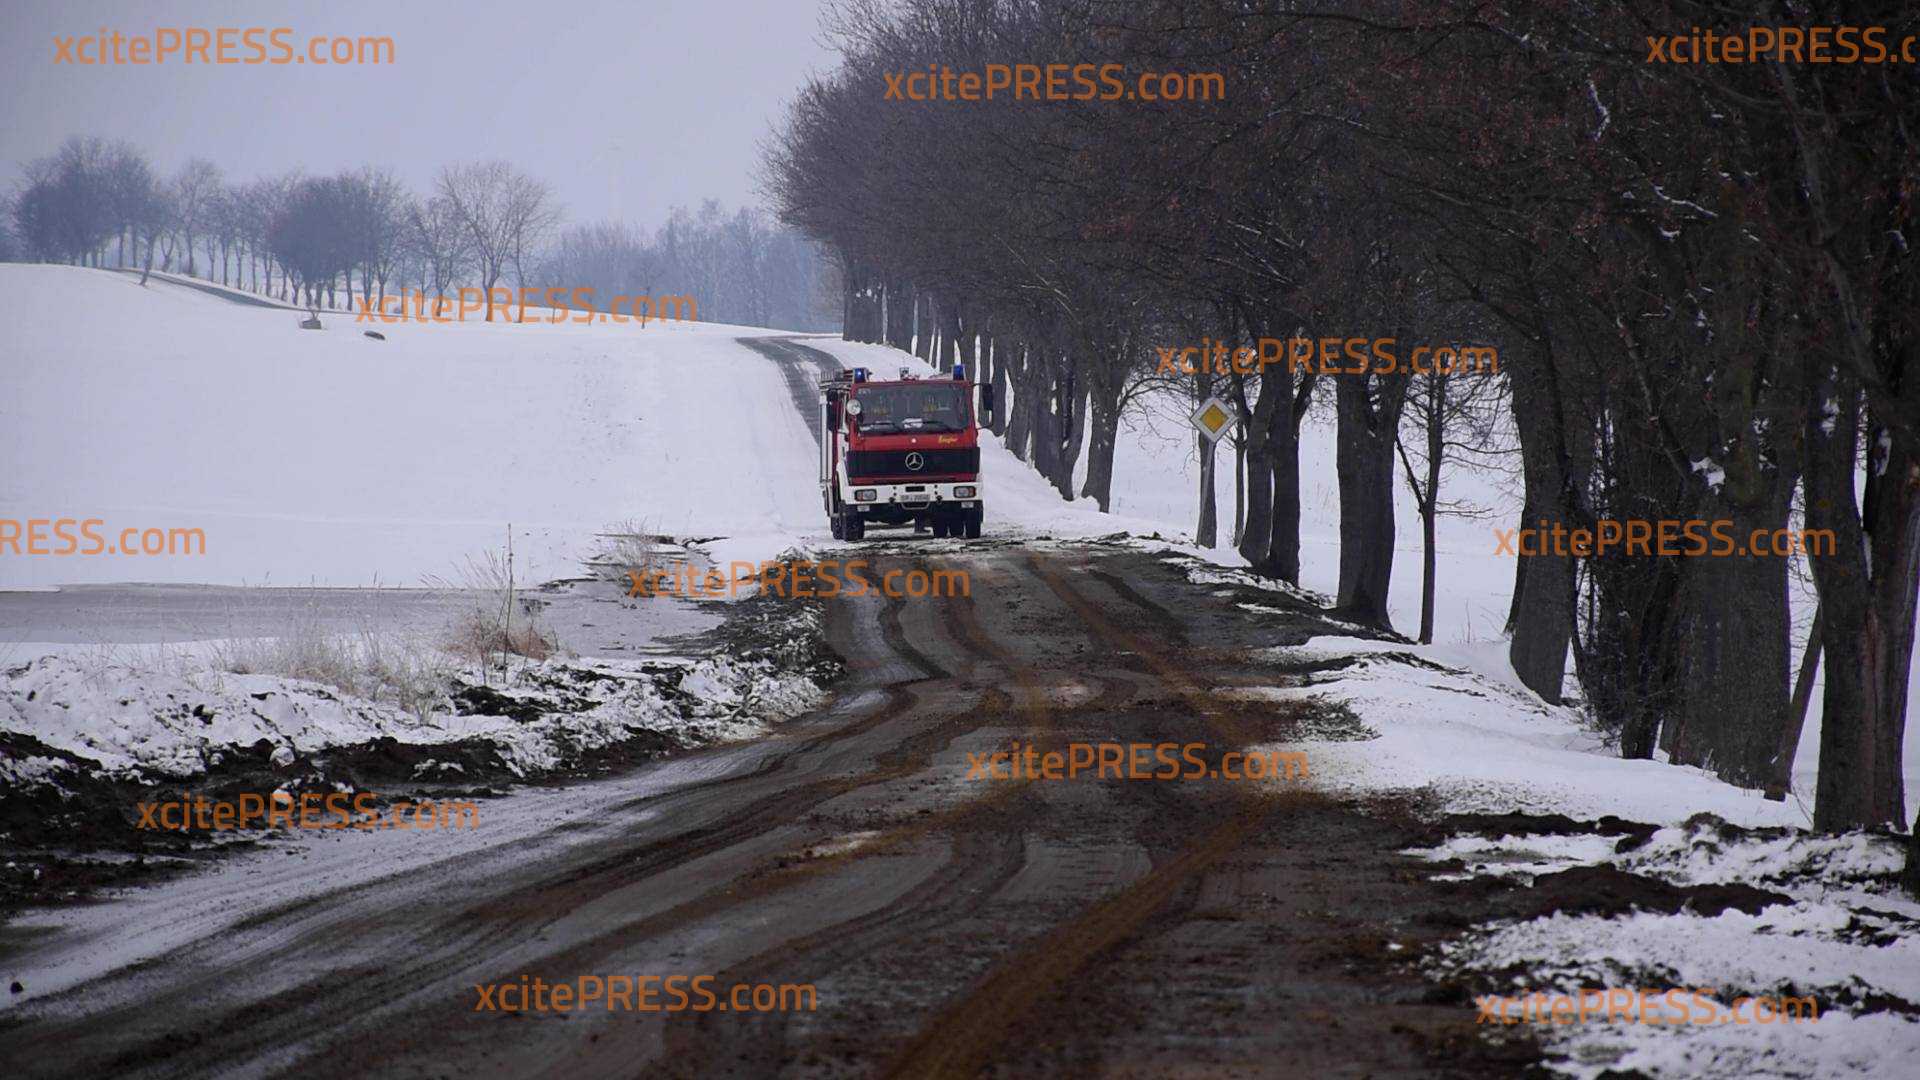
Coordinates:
[925,406]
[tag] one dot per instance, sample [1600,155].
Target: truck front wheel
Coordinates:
[852,527]
[973,520]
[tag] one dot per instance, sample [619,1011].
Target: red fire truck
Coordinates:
[903,451]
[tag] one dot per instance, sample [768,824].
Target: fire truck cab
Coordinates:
[900,452]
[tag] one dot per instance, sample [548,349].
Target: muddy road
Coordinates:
[948,925]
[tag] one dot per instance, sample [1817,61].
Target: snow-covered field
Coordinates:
[329,458]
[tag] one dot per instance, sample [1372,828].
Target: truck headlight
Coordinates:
[865,495]
[964,491]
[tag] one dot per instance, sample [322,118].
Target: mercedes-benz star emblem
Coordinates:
[915,463]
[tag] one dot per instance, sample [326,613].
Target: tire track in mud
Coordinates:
[904,759]
[964,1038]
[987,850]
[978,863]
[1238,933]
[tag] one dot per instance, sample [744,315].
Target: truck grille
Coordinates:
[866,463]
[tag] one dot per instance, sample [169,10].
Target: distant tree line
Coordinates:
[742,268]
[317,241]
[1701,279]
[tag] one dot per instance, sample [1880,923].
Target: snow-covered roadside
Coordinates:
[172,726]
[81,742]
[1449,726]
[1842,935]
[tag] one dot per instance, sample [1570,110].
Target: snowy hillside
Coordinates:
[331,458]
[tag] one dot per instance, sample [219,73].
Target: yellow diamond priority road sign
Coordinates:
[1213,418]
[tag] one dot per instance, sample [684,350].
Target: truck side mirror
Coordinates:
[986,401]
[833,416]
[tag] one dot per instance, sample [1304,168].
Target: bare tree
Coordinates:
[439,238]
[375,204]
[504,213]
[1450,418]
[195,187]
[532,215]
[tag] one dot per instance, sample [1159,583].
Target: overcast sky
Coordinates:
[626,107]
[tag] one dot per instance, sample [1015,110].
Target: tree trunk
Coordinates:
[992,347]
[1867,600]
[1782,781]
[1283,457]
[1257,532]
[1541,618]
[1206,531]
[1021,405]
[851,300]
[1731,654]
[1071,399]
[1044,412]
[1103,433]
[924,322]
[1239,487]
[950,339]
[899,332]
[1364,465]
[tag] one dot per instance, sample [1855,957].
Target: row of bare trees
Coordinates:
[92,201]
[1700,278]
[312,239]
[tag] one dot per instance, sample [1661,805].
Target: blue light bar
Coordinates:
[859,374]
[960,371]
